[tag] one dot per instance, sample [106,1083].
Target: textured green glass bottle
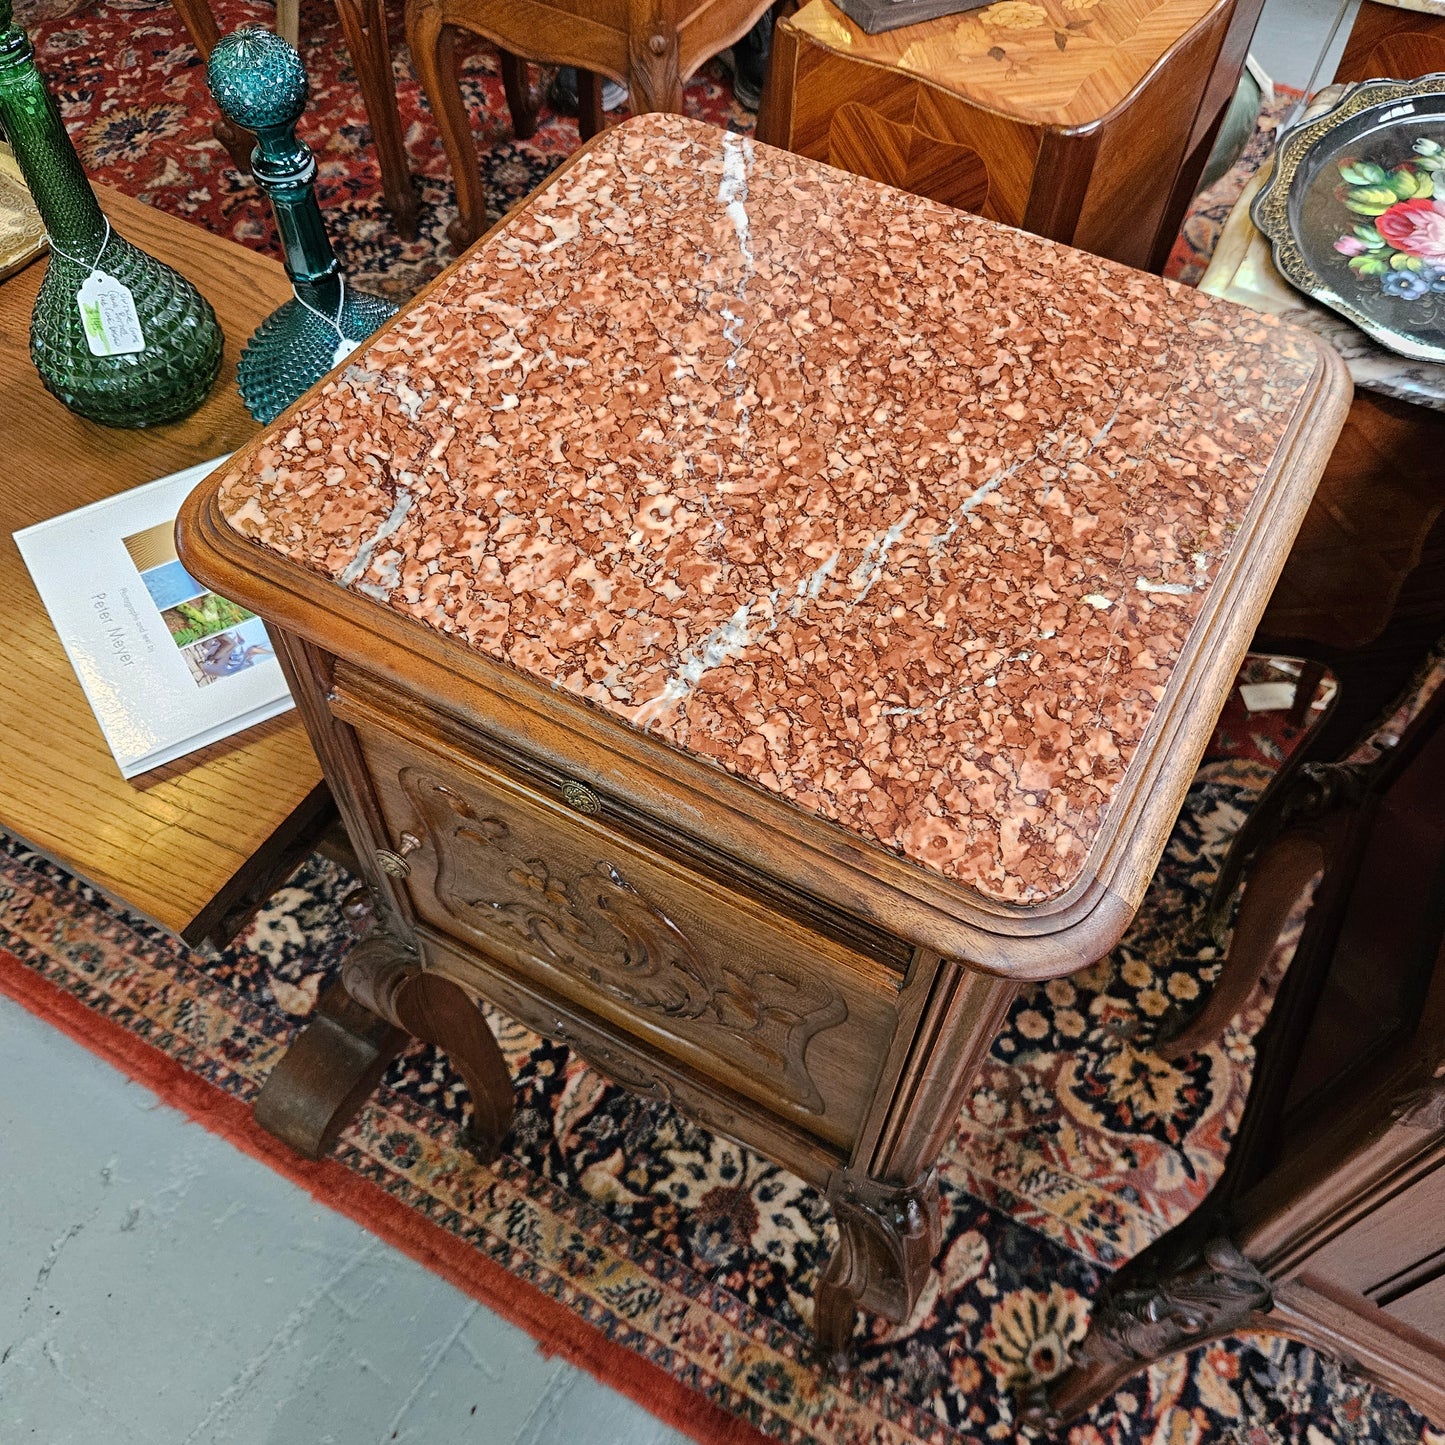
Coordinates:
[179,355]
[259,83]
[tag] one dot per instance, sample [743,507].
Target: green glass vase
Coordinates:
[259,83]
[117,336]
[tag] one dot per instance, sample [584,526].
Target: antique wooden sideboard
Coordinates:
[1329,1222]
[752,619]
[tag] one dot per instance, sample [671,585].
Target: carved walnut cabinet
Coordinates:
[753,619]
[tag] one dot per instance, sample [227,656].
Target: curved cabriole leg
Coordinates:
[361,1023]
[384,976]
[433,45]
[363,23]
[200,22]
[1174,1296]
[325,1076]
[887,1237]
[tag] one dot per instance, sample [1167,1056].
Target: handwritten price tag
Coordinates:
[108,314]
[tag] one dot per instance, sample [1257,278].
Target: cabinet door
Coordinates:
[672,961]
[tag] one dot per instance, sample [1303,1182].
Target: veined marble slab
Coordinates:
[897,513]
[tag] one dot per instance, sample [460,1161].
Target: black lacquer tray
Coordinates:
[1355,211]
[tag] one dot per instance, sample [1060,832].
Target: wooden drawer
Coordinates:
[675,961]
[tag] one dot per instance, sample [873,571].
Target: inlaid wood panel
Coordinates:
[1086,121]
[1041,62]
[1389,41]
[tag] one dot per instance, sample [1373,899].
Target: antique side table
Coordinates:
[752,620]
[1088,121]
[651,46]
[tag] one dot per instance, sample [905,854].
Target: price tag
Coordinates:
[344,348]
[108,314]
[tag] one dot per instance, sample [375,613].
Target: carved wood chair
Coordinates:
[651,46]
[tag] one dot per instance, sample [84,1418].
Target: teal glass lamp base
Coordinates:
[293,349]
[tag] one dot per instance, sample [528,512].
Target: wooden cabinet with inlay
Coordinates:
[1088,121]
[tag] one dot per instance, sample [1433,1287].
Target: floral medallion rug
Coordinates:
[674,1264]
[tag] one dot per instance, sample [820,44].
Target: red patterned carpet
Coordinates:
[677,1265]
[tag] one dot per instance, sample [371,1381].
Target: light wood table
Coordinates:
[651,46]
[189,844]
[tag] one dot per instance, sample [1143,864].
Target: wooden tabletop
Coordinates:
[184,843]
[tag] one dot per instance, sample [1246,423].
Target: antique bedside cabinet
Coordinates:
[752,621]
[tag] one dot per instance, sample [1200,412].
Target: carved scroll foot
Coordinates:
[1188,1292]
[887,1237]
[325,1076]
[361,1023]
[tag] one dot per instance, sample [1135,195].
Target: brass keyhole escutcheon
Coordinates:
[395,863]
[580,797]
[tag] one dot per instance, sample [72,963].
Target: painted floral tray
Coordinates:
[1355,211]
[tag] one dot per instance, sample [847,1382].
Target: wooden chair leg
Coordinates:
[1311,675]
[1277,878]
[590,118]
[288,22]
[521,100]
[363,23]
[433,52]
[201,26]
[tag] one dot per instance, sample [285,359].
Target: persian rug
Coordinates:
[674,1264]
[679,1266]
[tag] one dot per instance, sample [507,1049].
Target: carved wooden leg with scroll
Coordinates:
[886,1202]
[887,1238]
[1186,1290]
[654,80]
[361,1023]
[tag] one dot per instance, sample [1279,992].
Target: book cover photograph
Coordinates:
[167,665]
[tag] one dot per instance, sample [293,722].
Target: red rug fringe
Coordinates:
[555,1328]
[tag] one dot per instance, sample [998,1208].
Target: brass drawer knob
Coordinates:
[395,863]
[581,797]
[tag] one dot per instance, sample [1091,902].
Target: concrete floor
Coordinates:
[159,1288]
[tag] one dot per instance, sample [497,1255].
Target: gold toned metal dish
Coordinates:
[22,236]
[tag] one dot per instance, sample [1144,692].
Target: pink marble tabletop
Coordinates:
[897,513]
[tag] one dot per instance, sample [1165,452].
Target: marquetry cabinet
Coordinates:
[1088,121]
[751,620]
[1329,1222]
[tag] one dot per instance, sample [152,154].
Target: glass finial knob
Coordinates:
[257,79]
